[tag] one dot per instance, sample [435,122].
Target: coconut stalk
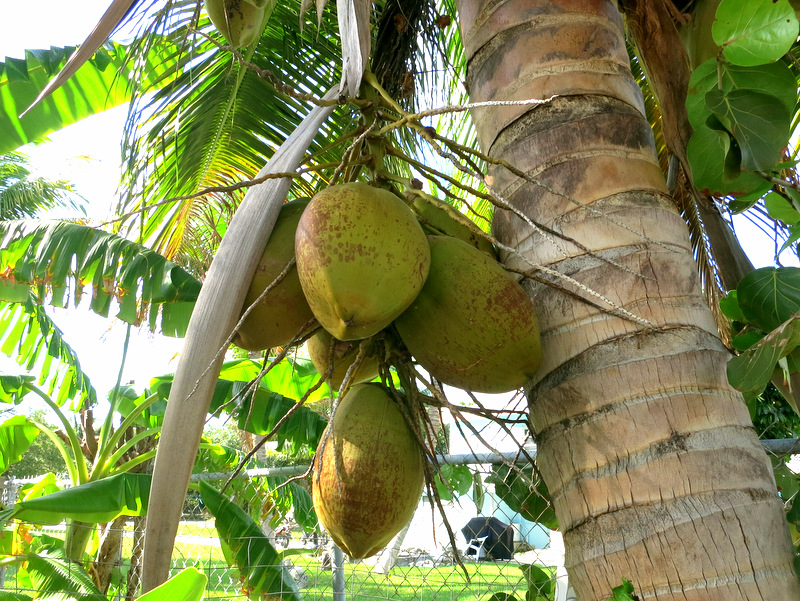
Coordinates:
[210,327]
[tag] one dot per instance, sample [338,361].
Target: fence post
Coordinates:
[338,574]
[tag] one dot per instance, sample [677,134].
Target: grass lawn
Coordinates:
[404,583]
[198,547]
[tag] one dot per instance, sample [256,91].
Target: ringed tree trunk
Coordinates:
[653,466]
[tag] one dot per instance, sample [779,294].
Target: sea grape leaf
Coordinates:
[752,370]
[781,209]
[754,32]
[457,481]
[758,121]
[541,583]
[524,492]
[706,151]
[730,307]
[769,296]
[776,78]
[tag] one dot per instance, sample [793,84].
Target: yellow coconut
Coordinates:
[370,490]
[472,326]
[239,21]
[344,354]
[362,258]
[279,316]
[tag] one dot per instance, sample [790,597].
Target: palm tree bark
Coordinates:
[655,471]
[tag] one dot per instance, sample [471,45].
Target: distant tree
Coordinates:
[226,435]
[24,195]
[774,417]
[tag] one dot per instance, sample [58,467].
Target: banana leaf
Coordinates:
[13,388]
[56,257]
[16,435]
[259,413]
[100,84]
[242,540]
[187,585]
[95,502]
[30,337]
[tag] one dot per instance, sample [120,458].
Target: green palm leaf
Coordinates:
[55,577]
[216,124]
[23,195]
[59,257]
[100,84]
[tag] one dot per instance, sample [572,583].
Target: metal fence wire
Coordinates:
[502,545]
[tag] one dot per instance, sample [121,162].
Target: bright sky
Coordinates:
[88,154]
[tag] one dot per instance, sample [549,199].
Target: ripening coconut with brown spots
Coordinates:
[362,258]
[472,326]
[368,472]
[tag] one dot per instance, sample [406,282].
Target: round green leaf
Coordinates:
[769,296]
[754,32]
[703,80]
[775,79]
[758,121]
[729,306]
[781,209]
[525,493]
[706,151]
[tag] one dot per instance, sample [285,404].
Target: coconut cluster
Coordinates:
[366,261]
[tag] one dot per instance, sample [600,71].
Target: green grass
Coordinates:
[442,583]
[197,529]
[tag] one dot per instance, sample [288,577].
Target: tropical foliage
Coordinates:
[203,120]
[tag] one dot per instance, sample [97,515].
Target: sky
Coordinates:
[88,154]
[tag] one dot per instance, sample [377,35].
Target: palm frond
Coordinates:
[23,195]
[56,577]
[109,21]
[59,259]
[216,124]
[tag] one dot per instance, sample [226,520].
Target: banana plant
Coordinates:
[110,457]
[102,468]
[244,545]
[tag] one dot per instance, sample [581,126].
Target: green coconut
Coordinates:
[344,354]
[368,474]
[280,315]
[441,218]
[362,258]
[472,326]
[239,21]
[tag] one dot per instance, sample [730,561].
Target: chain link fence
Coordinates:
[501,544]
[494,547]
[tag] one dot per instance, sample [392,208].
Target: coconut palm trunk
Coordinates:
[654,469]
